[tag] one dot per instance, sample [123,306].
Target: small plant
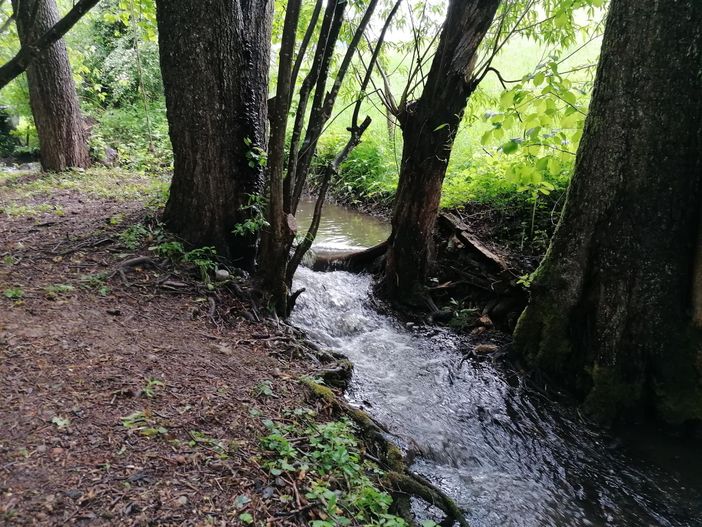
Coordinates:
[142,423]
[171,250]
[13,293]
[53,291]
[96,281]
[60,422]
[9,260]
[116,219]
[204,259]
[133,236]
[264,389]
[257,220]
[256,156]
[525,280]
[326,462]
[463,316]
[152,385]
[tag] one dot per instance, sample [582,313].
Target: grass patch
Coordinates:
[101,182]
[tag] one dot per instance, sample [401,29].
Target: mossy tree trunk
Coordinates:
[215,56]
[52,91]
[610,309]
[429,126]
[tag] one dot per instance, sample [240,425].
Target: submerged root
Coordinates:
[403,483]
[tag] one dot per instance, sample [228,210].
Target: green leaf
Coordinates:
[246,518]
[539,78]
[510,147]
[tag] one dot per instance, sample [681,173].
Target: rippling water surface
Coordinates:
[506,455]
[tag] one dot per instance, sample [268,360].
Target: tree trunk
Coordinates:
[610,308]
[429,127]
[215,56]
[52,92]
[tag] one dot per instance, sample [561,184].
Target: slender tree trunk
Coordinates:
[215,56]
[611,304]
[429,126]
[52,92]
[275,250]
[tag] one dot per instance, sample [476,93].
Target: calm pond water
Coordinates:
[505,454]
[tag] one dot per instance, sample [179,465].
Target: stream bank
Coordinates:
[475,427]
[132,393]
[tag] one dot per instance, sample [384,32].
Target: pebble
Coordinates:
[221,275]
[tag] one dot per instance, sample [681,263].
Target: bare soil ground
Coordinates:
[125,400]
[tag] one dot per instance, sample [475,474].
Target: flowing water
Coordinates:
[507,456]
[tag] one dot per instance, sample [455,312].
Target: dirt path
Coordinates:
[123,404]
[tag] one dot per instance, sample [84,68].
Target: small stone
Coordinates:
[57,451]
[221,275]
[485,321]
[114,311]
[182,501]
[484,349]
[181,460]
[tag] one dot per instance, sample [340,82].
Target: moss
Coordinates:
[321,391]
[542,339]
[611,396]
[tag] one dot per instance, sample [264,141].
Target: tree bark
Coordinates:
[52,92]
[429,126]
[215,56]
[610,309]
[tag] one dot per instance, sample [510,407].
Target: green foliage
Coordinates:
[327,463]
[256,220]
[13,293]
[133,236]
[55,290]
[141,144]
[151,386]
[97,282]
[205,259]
[369,175]
[171,250]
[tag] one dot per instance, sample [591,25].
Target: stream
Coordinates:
[508,456]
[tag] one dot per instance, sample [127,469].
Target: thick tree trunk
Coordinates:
[215,56]
[429,127]
[52,92]
[610,307]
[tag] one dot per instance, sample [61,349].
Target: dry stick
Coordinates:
[28,53]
